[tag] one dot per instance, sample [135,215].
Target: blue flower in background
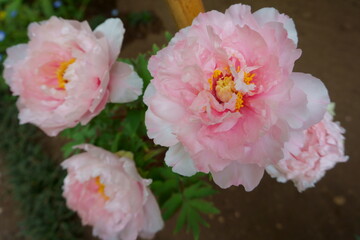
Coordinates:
[2,35]
[114,12]
[1,57]
[57,4]
[13,13]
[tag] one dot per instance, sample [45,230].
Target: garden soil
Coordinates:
[329,36]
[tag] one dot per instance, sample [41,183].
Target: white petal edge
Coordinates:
[235,174]
[159,130]
[180,160]
[317,97]
[265,15]
[125,84]
[153,221]
[113,30]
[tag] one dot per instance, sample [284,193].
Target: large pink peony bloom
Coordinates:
[310,153]
[67,73]
[108,193]
[224,97]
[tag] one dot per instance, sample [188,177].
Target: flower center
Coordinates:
[101,188]
[225,85]
[61,71]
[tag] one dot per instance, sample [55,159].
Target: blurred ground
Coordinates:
[329,35]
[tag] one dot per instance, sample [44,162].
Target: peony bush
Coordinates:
[222,99]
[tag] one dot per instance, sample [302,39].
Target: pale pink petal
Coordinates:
[113,30]
[153,220]
[265,15]
[248,175]
[316,94]
[180,160]
[159,130]
[125,84]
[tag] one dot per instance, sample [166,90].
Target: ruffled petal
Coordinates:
[125,84]
[248,175]
[113,30]
[159,130]
[180,160]
[316,94]
[265,15]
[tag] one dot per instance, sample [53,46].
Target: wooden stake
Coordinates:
[185,11]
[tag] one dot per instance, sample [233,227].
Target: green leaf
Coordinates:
[199,190]
[181,218]
[171,205]
[204,206]
[193,219]
[47,8]
[168,36]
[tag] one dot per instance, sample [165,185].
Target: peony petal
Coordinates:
[265,15]
[125,85]
[317,97]
[153,220]
[113,30]
[159,130]
[248,175]
[180,160]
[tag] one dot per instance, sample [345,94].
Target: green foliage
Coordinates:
[357,237]
[137,18]
[35,177]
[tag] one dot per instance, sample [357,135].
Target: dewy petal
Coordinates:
[265,15]
[125,85]
[15,55]
[113,30]
[180,160]
[153,221]
[248,175]
[317,97]
[159,130]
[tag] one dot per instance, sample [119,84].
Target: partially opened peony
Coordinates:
[310,153]
[224,97]
[67,73]
[108,194]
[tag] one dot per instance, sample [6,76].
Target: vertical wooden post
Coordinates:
[185,11]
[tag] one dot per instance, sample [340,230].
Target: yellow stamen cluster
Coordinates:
[61,71]
[101,188]
[248,77]
[225,86]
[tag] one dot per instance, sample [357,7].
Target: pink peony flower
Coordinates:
[224,97]
[108,193]
[308,154]
[67,73]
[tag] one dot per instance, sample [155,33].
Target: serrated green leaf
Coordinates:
[168,36]
[193,219]
[199,190]
[204,206]
[171,205]
[155,49]
[181,218]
